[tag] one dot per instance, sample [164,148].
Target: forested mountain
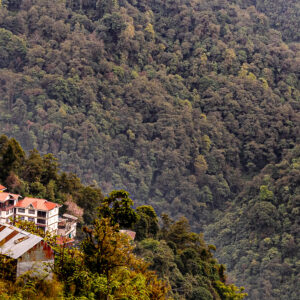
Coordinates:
[259,236]
[166,261]
[182,103]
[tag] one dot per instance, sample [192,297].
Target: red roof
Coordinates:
[40,204]
[2,187]
[6,196]
[61,240]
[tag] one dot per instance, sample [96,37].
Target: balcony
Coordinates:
[41,222]
[6,208]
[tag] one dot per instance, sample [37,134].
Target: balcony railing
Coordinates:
[41,222]
[6,208]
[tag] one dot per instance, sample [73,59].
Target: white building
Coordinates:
[40,211]
[67,226]
[7,204]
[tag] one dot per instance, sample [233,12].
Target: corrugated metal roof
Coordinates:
[70,217]
[14,242]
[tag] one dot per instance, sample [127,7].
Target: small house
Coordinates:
[29,252]
[67,226]
[40,211]
[7,204]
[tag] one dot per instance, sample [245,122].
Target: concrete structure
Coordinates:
[40,211]
[43,213]
[67,226]
[29,252]
[7,204]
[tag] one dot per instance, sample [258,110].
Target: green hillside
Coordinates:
[182,103]
[166,261]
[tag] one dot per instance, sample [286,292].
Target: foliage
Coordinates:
[108,264]
[147,222]
[183,259]
[258,239]
[182,103]
[117,207]
[38,175]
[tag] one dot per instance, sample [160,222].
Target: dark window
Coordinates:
[21,210]
[41,214]
[31,211]
[41,221]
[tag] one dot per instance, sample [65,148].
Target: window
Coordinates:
[12,210]
[21,210]
[30,219]
[41,214]
[7,212]
[31,211]
[22,218]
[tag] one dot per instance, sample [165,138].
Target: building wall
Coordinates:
[38,268]
[51,218]
[37,259]
[5,215]
[52,221]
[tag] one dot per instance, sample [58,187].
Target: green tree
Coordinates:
[117,207]
[147,222]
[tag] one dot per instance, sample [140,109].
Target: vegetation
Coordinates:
[259,238]
[170,262]
[182,103]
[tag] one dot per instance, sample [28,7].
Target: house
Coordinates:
[7,204]
[40,211]
[43,213]
[67,226]
[27,251]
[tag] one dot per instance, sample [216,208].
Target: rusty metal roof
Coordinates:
[14,242]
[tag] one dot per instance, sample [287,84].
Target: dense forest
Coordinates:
[188,105]
[166,261]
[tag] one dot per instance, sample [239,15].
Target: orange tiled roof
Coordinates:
[40,204]
[2,187]
[5,196]
[64,240]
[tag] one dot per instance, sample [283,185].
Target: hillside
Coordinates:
[166,261]
[259,236]
[182,103]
